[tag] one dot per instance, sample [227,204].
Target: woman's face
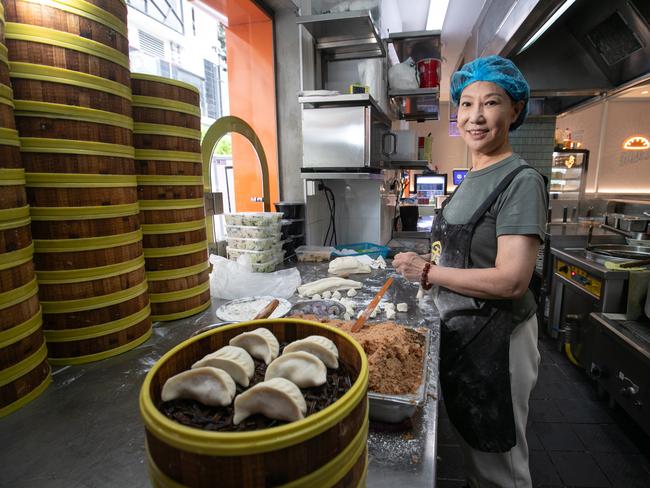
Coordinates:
[485,112]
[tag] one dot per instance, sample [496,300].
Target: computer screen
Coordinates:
[427,186]
[458,175]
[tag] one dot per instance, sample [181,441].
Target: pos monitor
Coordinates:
[429,186]
[458,175]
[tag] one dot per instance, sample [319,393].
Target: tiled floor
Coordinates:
[575,440]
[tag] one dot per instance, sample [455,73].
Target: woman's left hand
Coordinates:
[409,265]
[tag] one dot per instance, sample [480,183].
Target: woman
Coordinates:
[484,246]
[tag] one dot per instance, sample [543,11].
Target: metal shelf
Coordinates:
[416,44]
[404,164]
[415,92]
[345,35]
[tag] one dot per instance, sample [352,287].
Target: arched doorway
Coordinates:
[223,126]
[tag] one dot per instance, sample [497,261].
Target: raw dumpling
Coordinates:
[276,399]
[260,343]
[301,368]
[321,347]
[233,360]
[210,386]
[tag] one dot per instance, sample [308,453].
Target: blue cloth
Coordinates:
[498,70]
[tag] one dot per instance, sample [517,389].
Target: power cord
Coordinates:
[330,235]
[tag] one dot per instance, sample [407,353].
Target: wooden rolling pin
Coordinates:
[267,310]
[371,306]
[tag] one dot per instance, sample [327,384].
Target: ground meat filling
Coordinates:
[194,414]
[395,355]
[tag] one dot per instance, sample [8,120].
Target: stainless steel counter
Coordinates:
[85,429]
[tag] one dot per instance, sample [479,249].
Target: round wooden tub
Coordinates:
[326,449]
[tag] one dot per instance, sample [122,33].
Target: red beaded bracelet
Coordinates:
[424,280]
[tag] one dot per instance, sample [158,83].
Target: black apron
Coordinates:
[475,343]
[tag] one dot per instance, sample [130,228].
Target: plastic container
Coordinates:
[291,210]
[257,219]
[253,244]
[252,232]
[268,267]
[256,257]
[314,253]
[361,248]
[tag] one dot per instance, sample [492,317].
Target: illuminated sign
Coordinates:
[636,143]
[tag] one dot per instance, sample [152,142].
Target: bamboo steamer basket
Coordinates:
[326,449]
[166,130]
[24,371]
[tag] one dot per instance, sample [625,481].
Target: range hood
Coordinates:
[596,46]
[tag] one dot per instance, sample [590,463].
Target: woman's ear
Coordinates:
[517,107]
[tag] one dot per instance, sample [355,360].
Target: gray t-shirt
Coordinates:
[520,210]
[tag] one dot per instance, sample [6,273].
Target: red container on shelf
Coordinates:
[429,70]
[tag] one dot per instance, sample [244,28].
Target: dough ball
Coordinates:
[390,313]
[402,307]
[327,294]
[316,297]
[336,295]
[352,292]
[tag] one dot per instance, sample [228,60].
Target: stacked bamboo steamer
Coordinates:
[24,371]
[70,72]
[167,123]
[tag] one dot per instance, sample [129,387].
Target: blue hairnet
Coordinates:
[498,70]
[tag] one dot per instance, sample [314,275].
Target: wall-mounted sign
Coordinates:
[636,143]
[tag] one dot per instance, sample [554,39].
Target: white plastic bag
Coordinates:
[403,76]
[230,280]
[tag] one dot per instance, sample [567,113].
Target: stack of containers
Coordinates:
[69,68]
[24,371]
[256,235]
[167,139]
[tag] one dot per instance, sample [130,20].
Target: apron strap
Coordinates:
[503,184]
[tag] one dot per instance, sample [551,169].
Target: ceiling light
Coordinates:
[547,24]
[644,92]
[436,15]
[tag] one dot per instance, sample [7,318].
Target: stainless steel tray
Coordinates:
[396,408]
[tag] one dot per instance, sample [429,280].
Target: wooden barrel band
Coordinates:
[7,101]
[69,146]
[10,142]
[152,229]
[86,243]
[88,274]
[100,330]
[173,296]
[165,81]
[99,301]
[168,180]
[88,11]
[20,331]
[52,74]
[77,180]
[7,214]
[12,176]
[19,369]
[16,258]
[176,156]
[28,108]
[180,204]
[166,130]
[4,54]
[44,35]
[144,101]
[101,355]
[181,315]
[17,295]
[83,213]
[162,252]
[6,92]
[172,274]
[15,223]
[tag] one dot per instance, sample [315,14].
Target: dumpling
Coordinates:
[321,347]
[260,343]
[210,386]
[233,360]
[301,368]
[276,399]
